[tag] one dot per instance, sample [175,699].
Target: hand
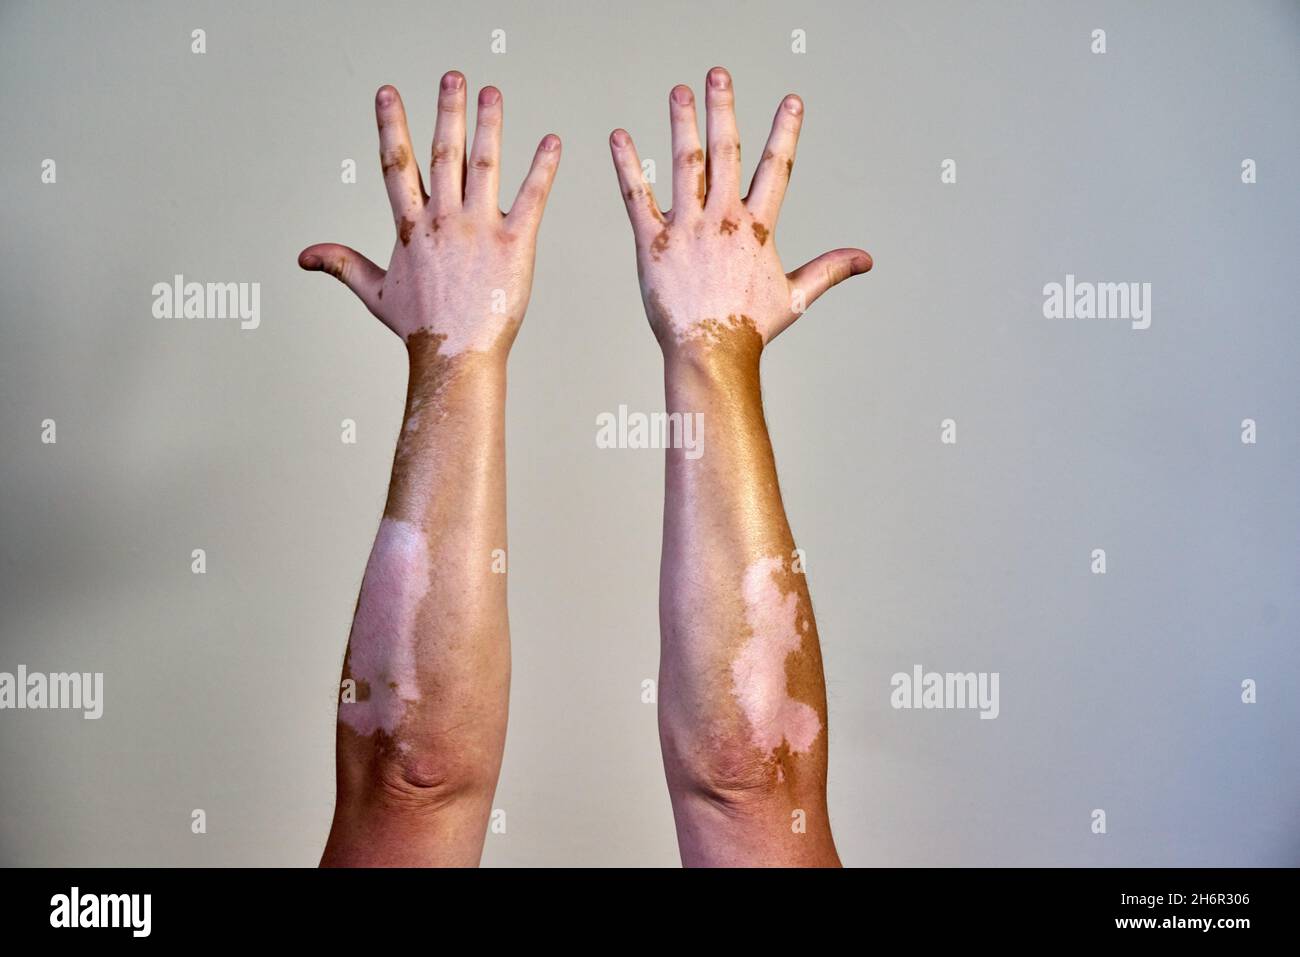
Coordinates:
[710,264]
[461,270]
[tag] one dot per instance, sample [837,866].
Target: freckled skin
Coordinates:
[419,752]
[742,701]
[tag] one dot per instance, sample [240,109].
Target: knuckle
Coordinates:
[689,159]
[780,160]
[445,153]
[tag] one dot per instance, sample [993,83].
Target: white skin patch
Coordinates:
[460,282]
[381,651]
[758,679]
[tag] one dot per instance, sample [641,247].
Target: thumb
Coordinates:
[349,267]
[814,277]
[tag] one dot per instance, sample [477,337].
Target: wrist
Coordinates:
[719,381]
[716,353]
[467,386]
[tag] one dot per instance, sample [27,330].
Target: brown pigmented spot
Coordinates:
[727,227]
[335,268]
[735,342]
[397,159]
[431,371]
[431,395]
[697,159]
[803,668]
[660,243]
[803,665]
[442,153]
[760,233]
[404,230]
[726,149]
[787,165]
[381,294]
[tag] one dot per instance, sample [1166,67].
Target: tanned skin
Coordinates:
[419,750]
[742,700]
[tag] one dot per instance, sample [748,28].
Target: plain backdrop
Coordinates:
[1119,692]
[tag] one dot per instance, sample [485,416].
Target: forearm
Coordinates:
[742,697]
[420,748]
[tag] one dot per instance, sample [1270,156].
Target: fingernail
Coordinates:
[620,138]
[452,81]
[309,261]
[719,78]
[861,264]
[793,104]
[550,142]
[682,95]
[386,95]
[489,96]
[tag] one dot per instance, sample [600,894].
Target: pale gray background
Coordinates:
[1119,692]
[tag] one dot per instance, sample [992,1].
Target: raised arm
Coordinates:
[742,703]
[422,717]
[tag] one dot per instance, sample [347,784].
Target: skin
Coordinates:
[742,701]
[419,752]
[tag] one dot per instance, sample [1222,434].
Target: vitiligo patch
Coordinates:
[382,649]
[758,677]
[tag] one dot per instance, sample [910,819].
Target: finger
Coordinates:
[642,209]
[688,159]
[349,267]
[767,190]
[401,175]
[814,277]
[447,164]
[724,141]
[530,201]
[483,174]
